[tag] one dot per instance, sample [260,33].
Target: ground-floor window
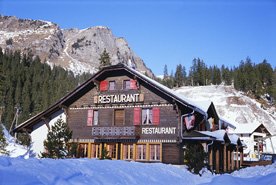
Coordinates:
[83,150]
[112,151]
[141,152]
[124,151]
[127,151]
[155,152]
[95,150]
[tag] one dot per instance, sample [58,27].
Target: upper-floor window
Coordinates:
[119,117]
[130,84]
[126,84]
[92,117]
[96,117]
[147,116]
[112,86]
[150,116]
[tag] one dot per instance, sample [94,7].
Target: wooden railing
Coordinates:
[127,131]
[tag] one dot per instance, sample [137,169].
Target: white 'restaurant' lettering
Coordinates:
[118,98]
[158,130]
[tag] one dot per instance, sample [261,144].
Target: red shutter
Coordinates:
[103,85]
[90,117]
[133,84]
[156,116]
[137,116]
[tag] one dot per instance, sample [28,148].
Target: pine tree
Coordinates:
[195,157]
[179,77]
[104,59]
[57,141]
[3,142]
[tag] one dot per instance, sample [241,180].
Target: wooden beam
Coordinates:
[241,157]
[89,150]
[211,158]
[237,158]
[224,158]
[217,160]
[232,161]
[229,159]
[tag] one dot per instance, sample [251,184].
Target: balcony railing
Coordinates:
[128,131]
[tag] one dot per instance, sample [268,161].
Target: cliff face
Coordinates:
[73,49]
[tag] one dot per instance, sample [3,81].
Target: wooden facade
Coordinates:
[135,118]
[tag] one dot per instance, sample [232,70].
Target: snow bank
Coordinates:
[88,171]
[13,148]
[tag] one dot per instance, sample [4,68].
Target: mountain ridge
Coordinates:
[74,49]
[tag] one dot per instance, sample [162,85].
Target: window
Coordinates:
[112,151]
[119,117]
[127,152]
[82,150]
[92,117]
[130,84]
[95,150]
[155,152]
[96,117]
[126,84]
[141,152]
[147,116]
[112,86]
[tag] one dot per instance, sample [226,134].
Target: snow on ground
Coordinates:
[22,171]
[13,148]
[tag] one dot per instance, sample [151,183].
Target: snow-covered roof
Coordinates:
[218,134]
[232,124]
[234,138]
[246,128]
[196,105]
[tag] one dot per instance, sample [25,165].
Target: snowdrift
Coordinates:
[22,171]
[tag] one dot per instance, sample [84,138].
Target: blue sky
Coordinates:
[170,32]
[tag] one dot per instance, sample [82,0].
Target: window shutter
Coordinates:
[133,84]
[137,116]
[103,85]
[90,117]
[155,116]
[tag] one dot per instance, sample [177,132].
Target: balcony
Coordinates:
[128,132]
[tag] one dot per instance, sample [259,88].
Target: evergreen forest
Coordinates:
[30,85]
[253,79]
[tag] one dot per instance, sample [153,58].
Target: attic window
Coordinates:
[126,84]
[130,84]
[112,85]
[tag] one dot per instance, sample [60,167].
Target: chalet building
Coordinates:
[136,118]
[256,138]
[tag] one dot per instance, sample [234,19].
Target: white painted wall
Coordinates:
[250,143]
[40,131]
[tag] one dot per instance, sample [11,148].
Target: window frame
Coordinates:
[128,151]
[155,152]
[125,85]
[143,152]
[114,117]
[109,82]
[95,118]
[149,116]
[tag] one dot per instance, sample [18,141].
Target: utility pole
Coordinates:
[15,120]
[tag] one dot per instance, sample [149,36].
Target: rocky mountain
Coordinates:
[233,105]
[73,49]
